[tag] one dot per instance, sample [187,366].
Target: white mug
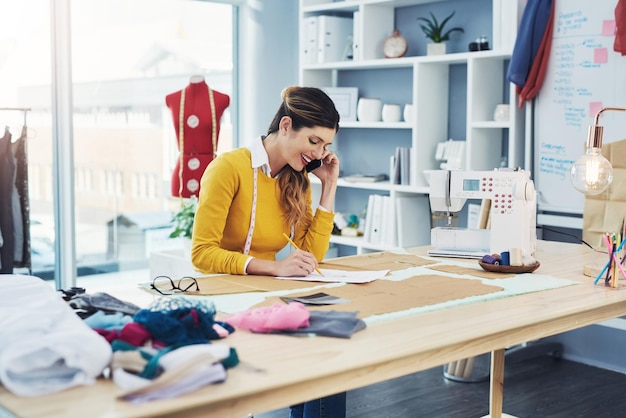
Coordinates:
[501,114]
[408,112]
[368,109]
[391,113]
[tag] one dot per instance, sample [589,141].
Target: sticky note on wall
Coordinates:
[608,27]
[594,108]
[600,56]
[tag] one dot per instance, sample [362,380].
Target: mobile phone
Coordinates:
[313,165]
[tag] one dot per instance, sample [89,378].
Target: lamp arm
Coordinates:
[594,136]
[604,109]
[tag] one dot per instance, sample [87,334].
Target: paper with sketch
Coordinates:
[341,276]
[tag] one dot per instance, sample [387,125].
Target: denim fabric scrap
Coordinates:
[101,301]
[329,324]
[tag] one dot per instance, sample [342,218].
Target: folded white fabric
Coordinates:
[186,369]
[44,346]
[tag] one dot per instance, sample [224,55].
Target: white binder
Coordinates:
[357,54]
[413,215]
[389,228]
[334,38]
[309,32]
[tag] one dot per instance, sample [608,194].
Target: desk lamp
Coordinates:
[591,173]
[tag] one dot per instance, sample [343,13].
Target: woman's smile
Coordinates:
[305,159]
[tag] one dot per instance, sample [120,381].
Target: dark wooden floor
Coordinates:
[538,387]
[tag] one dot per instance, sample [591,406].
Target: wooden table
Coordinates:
[277,371]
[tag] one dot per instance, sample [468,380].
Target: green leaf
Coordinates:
[435,30]
[184,218]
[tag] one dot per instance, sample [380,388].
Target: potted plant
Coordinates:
[183,222]
[436,32]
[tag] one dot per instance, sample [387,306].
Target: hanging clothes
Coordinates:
[21,217]
[532,48]
[540,64]
[7,176]
[619,44]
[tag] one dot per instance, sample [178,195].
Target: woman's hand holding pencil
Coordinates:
[293,244]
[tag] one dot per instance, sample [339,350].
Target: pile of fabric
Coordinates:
[162,351]
[50,342]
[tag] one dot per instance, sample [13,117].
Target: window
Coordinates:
[126,57]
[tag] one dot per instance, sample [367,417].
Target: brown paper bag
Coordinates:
[605,212]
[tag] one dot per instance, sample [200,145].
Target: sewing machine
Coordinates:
[512,213]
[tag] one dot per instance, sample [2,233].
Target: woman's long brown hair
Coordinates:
[307,107]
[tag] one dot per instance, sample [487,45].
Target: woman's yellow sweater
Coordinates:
[222,220]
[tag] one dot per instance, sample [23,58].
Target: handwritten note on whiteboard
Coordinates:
[584,75]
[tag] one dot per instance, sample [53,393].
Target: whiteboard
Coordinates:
[584,74]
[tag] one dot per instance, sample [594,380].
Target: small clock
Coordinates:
[395,46]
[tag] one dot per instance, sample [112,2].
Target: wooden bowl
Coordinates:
[496,268]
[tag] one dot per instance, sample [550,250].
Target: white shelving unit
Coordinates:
[424,81]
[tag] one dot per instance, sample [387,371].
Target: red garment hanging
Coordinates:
[620,27]
[538,70]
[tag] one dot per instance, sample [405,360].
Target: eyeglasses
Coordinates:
[166,286]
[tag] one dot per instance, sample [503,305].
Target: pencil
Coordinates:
[609,264]
[614,272]
[293,244]
[606,266]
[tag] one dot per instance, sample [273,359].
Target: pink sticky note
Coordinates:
[594,108]
[600,56]
[608,27]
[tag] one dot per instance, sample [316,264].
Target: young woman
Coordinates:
[250,198]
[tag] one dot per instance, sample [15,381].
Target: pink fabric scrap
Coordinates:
[272,318]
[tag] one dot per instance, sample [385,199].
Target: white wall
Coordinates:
[268,38]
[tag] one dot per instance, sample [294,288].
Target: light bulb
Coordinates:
[591,173]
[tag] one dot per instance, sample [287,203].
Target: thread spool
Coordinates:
[490,259]
[516,257]
[505,257]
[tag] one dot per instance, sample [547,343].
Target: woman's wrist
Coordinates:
[262,267]
[327,197]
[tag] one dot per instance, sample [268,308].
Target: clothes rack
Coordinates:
[15,240]
[17,109]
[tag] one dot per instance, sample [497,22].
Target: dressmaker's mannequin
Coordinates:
[197,131]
